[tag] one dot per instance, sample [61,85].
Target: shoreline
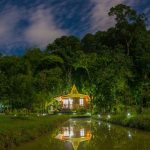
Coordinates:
[136,122]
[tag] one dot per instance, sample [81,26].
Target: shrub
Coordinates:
[136,121]
[81,110]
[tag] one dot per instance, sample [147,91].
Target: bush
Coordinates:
[81,110]
[136,121]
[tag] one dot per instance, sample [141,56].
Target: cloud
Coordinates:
[24,24]
[9,18]
[147,12]
[42,28]
[21,27]
[73,15]
[99,18]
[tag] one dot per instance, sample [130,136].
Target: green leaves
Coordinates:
[111,66]
[50,61]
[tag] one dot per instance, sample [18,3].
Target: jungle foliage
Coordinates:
[112,66]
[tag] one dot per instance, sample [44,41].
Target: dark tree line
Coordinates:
[112,66]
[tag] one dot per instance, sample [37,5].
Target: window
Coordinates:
[81,132]
[66,103]
[81,101]
[68,131]
[71,132]
[71,103]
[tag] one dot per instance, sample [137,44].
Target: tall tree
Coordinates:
[128,22]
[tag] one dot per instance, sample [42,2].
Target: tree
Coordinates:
[88,42]
[4,89]
[66,48]
[33,57]
[128,22]
[21,92]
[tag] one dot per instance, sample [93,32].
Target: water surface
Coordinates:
[87,134]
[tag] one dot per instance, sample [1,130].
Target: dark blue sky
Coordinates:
[26,23]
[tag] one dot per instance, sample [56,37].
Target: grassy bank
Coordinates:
[133,121]
[17,130]
[81,116]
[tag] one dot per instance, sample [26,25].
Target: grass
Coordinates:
[17,130]
[87,115]
[141,121]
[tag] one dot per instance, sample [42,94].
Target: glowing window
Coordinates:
[71,102]
[71,132]
[66,101]
[81,101]
[81,132]
[66,131]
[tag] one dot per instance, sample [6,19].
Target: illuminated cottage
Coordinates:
[74,100]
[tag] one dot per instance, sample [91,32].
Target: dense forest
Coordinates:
[112,66]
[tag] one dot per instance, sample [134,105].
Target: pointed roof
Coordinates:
[73,94]
[74,90]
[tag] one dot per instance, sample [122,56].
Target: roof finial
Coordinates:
[74,90]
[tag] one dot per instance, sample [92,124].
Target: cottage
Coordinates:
[74,100]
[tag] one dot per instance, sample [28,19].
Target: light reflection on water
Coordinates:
[75,132]
[87,134]
[96,135]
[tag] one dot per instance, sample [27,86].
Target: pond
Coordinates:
[87,134]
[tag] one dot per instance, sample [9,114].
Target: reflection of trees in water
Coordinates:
[107,136]
[68,146]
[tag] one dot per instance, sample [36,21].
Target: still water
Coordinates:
[87,134]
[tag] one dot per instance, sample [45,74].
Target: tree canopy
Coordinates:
[112,66]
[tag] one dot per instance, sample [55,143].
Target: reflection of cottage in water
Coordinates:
[74,132]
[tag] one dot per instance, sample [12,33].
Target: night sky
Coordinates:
[35,23]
